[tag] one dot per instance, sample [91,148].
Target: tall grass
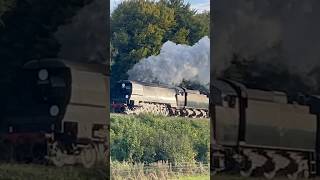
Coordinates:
[158,170]
[33,172]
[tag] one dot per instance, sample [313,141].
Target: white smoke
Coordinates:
[175,63]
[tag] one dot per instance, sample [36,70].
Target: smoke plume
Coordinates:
[286,31]
[175,63]
[84,39]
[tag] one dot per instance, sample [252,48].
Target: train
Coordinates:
[263,133]
[56,112]
[133,97]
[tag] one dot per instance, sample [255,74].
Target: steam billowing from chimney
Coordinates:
[175,63]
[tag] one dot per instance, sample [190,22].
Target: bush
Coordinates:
[149,139]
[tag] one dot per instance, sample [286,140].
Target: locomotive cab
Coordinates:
[38,98]
[181,97]
[58,109]
[122,95]
[226,116]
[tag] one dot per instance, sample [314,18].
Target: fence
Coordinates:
[159,170]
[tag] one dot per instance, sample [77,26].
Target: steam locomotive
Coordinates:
[56,111]
[133,97]
[264,133]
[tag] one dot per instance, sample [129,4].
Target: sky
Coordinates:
[199,5]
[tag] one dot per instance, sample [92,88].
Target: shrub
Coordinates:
[148,139]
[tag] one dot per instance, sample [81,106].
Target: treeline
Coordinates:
[140,27]
[149,139]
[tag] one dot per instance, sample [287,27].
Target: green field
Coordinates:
[41,172]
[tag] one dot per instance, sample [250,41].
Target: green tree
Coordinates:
[187,19]
[149,139]
[137,29]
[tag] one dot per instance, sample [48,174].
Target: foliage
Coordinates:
[158,170]
[140,27]
[148,139]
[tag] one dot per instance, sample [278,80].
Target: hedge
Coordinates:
[148,139]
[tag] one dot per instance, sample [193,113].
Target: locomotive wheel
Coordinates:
[292,176]
[88,156]
[57,156]
[213,173]
[306,174]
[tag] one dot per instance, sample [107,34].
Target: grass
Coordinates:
[201,177]
[160,171]
[32,172]
[229,177]
[170,118]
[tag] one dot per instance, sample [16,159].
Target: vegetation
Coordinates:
[149,139]
[200,177]
[159,170]
[233,177]
[140,27]
[31,172]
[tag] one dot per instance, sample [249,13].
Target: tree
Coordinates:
[197,25]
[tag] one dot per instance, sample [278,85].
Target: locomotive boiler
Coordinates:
[262,133]
[57,111]
[138,97]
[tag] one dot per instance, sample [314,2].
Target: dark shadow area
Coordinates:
[54,88]
[264,88]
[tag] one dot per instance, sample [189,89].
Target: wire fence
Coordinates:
[159,170]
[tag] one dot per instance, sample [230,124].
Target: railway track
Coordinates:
[165,110]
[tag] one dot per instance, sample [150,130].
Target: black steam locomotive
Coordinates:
[264,133]
[138,97]
[55,110]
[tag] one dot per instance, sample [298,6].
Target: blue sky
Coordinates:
[200,5]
